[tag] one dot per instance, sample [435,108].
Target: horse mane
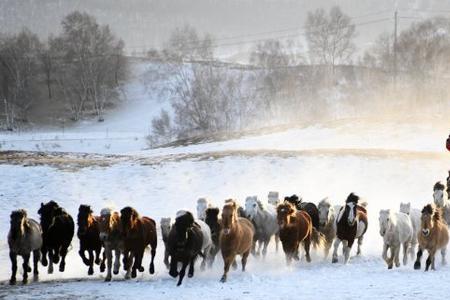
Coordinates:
[438,186]
[131,210]
[294,199]
[352,198]
[433,211]
[212,212]
[325,201]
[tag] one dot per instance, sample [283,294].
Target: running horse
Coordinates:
[89,235]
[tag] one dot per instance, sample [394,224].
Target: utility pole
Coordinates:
[395,47]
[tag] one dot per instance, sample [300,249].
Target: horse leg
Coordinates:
[182,272]
[44,256]
[244,260]
[360,241]
[166,257]
[412,248]
[419,257]
[307,247]
[91,262]
[430,260]
[98,250]
[173,267]
[13,258]
[397,255]
[102,263]
[135,265]
[26,267]
[108,263]
[191,267]
[36,257]
[264,251]
[234,264]
[127,266]
[116,261]
[443,252]
[384,253]
[406,246]
[205,257]
[50,262]
[277,241]
[151,268]
[62,265]
[346,248]
[82,253]
[337,241]
[226,268]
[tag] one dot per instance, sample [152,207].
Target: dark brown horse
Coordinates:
[212,219]
[309,207]
[295,228]
[58,229]
[89,235]
[138,232]
[236,237]
[433,236]
[351,224]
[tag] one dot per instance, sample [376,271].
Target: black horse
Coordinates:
[212,219]
[89,235]
[309,207]
[58,229]
[185,244]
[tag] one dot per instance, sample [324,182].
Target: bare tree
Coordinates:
[330,37]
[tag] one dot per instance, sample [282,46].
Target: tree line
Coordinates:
[283,83]
[71,75]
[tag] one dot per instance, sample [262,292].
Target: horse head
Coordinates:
[273,198]
[326,212]
[430,214]
[440,195]
[105,225]
[166,224]
[386,220]
[202,205]
[47,213]
[18,221]
[284,212]
[252,206]
[350,209]
[295,200]
[128,219]
[405,208]
[85,219]
[229,216]
[183,226]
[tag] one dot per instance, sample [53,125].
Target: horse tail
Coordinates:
[318,239]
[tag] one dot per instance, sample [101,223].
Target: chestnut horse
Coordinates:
[111,238]
[24,237]
[296,227]
[433,236]
[236,237]
[58,229]
[138,232]
[89,235]
[351,224]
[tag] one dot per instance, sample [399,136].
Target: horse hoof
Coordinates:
[223,279]
[35,277]
[115,272]
[417,266]
[97,261]
[28,268]
[90,272]
[44,262]
[173,274]
[151,269]
[334,260]
[25,281]
[56,259]
[133,274]
[62,268]
[12,281]
[389,267]
[107,279]
[102,268]
[141,269]
[190,275]
[179,283]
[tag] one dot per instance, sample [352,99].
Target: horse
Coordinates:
[89,235]
[295,229]
[202,205]
[24,237]
[273,198]
[240,209]
[327,225]
[58,230]
[265,223]
[433,236]
[414,214]
[351,224]
[166,225]
[138,232]
[185,244]
[441,200]
[212,220]
[111,237]
[396,230]
[309,207]
[236,237]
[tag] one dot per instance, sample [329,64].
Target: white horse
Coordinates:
[441,200]
[207,241]
[202,205]
[327,226]
[414,215]
[273,198]
[396,230]
[265,223]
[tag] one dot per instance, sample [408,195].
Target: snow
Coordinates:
[160,190]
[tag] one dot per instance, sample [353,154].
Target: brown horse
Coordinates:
[111,238]
[138,232]
[236,237]
[89,235]
[432,237]
[351,224]
[296,227]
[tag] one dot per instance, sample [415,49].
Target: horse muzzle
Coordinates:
[382,232]
[226,231]
[426,232]
[103,236]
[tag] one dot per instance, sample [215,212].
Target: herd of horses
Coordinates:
[233,231]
